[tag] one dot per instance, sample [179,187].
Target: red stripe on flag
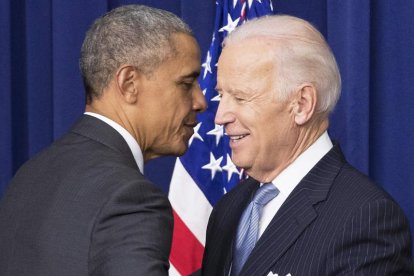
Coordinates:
[186,251]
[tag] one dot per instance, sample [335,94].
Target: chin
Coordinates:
[245,166]
[180,150]
[237,160]
[180,153]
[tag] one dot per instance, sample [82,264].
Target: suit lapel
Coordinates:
[219,248]
[247,191]
[295,215]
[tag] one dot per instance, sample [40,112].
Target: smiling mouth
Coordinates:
[236,137]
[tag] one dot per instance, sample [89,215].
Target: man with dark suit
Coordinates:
[83,206]
[303,210]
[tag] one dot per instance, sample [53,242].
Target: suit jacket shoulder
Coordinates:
[81,207]
[336,221]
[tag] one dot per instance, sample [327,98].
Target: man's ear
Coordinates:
[305,104]
[127,78]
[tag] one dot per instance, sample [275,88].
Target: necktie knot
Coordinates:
[265,193]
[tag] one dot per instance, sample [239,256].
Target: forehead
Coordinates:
[186,59]
[186,46]
[246,63]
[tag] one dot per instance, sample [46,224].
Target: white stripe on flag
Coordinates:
[189,202]
[172,271]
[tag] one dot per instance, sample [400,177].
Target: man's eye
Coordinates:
[187,85]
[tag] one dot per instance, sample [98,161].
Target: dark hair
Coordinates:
[133,34]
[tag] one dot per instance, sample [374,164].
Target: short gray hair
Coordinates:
[133,34]
[301,55]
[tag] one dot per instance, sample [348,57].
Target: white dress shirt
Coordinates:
[290,177]
[132,143]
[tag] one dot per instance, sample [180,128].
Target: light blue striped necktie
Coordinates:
[248,229]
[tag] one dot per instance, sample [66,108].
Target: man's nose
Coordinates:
[224,113]
[199,101]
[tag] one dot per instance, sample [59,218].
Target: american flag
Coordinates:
[206,171]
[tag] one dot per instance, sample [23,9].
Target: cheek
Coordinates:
[181,100]
[174,107]
[177,117]
[271,127]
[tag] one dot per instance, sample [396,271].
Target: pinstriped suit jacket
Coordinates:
[335,222]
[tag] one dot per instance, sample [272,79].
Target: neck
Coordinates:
[306,135]
[112,111]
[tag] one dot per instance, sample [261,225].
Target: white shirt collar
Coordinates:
[132,143]
[290,177]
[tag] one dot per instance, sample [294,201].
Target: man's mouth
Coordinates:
[236,137]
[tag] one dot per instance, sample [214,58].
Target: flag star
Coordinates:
[231,25]
[215,99]
[196,135]
[206,65]
[224,190]
[250,2]
[230,168]
[204,91]
[214,165]
[218,132]
[234,3]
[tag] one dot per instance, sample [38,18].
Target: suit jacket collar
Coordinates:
[295,215]
[103,133]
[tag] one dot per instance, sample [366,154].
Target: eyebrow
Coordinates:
[193,75]
[231,91]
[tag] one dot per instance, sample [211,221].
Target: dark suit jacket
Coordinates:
[81,207]
[335,222]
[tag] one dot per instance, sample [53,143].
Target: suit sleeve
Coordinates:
[133,233]
[375,240]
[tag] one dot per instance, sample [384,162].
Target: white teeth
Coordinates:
[237,137]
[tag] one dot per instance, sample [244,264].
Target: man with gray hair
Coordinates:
[303,210]
[82,206]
